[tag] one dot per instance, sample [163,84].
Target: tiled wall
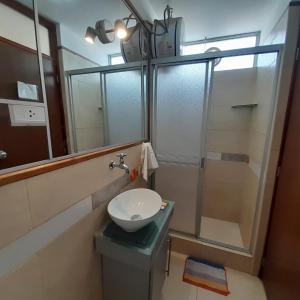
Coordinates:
[231,185]
[88,111]
[89,128]
[34,210]
[228,132]
[258,130]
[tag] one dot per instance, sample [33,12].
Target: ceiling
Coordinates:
[75,16]
[213,18]
[78,14]
[202,18]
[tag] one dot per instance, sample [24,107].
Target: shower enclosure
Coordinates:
[211,128]
[107,105]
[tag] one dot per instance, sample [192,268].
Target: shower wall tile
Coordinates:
[15,218]
[87,104]
[249,200]
[258,130]
[224,182]
[225,170]
[223,117]
[227,141]
[242,80]
[89,138]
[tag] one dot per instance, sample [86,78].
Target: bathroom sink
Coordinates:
[134,209]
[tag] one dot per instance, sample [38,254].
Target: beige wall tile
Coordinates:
[242,80]
[248,207]
[69,265]
[223,117]
[89,138]
[24,283]
[55,191]
[227,141]
[222,200]
[15,218]
[224,182]
[225,170]
[68,268]
[256,146]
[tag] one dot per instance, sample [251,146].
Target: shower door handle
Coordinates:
[202,163]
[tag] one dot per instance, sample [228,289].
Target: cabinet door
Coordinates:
[124,282]
[158,271]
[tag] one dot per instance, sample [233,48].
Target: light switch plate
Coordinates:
[27,115]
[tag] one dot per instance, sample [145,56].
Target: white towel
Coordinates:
[148,160]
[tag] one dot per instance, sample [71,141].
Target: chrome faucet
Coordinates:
[121,164]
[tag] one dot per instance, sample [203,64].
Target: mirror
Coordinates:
[20,85]
[92,90]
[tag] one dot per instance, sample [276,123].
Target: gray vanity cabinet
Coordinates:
[160,269]
[135,267]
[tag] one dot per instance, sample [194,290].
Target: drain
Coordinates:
[135,217]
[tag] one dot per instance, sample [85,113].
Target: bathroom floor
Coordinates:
[221,231]
[242,286]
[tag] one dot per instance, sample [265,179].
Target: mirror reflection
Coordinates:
[23,130]
[94,81]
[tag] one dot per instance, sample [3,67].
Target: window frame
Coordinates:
[226,37]
[256,34]
[110,56]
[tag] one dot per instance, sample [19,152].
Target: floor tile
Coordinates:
[242,286]
[174,288]
[221,231]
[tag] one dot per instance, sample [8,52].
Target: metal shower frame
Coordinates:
[209,58]
[102,71]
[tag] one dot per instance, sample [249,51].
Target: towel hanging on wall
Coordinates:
[148,160]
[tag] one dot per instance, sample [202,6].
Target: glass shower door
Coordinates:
[179,113]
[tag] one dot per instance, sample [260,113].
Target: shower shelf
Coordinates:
[250,105]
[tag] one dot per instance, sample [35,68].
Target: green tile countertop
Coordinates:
[138,248]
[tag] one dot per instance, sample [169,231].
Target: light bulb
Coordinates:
[120,29]
[121,33]
[90,35]
[89,40]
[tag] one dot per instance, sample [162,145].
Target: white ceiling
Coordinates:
[212,18]
[202,18]
[78,14]
[75,16]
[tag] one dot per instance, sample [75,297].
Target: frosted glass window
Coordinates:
[231,63]
[124,107]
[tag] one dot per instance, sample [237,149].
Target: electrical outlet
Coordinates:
[27,115]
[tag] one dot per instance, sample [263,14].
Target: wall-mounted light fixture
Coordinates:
[106,32]
[90,35]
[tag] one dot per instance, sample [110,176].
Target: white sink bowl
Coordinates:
[134,209]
